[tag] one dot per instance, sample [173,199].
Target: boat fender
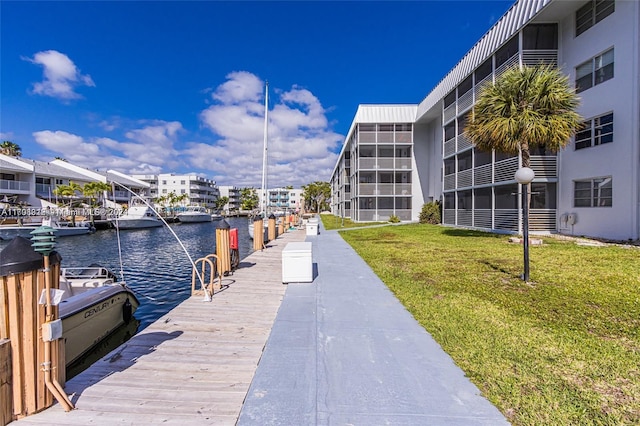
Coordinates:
[127,311]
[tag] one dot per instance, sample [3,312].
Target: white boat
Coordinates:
[61,228]
[194,214]
[136,217]
[93,305]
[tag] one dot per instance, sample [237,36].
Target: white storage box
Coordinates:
[312,228]
[297,266]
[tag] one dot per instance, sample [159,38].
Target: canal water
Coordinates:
[154,265]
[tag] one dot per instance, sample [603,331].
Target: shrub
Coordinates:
[394,219]
[430,213]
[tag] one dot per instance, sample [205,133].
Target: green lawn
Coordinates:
[563,349]
[334,222]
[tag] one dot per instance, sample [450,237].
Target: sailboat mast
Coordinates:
[264,153]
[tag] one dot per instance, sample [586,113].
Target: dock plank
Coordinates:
[194,365]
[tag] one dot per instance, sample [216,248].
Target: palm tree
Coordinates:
[11,149]
[528,107]
[95,189]
[67,190]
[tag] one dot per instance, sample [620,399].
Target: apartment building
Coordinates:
[233,194]
[284,200]
[30,182]
[201,191]
[591,188]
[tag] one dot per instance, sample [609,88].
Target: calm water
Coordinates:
[154,264]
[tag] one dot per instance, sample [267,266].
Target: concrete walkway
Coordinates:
[344,351]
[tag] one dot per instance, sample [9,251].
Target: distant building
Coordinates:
[30,182]
[590,188]
[233,194]
[200,191]
[284,199]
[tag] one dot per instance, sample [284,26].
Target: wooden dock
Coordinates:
[191,367]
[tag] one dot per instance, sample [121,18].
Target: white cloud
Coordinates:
[6,136]
[301,144]
[148,149]
[60,76]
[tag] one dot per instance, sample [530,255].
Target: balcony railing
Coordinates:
[536,57]
[15,185]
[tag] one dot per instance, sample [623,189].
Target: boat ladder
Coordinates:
[209,264]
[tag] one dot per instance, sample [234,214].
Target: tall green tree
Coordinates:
[68,191]
[249,199]
[526,107]
[11,149]
[221,202]
[316,196]
[95,191]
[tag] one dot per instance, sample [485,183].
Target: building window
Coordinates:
[595,71]
[450,98]
[507,51]
[592,13]
[540,37]
[593,192]
[596,131]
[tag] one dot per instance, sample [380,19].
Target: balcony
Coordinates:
[15,186]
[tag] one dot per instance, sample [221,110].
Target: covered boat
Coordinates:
[94,304]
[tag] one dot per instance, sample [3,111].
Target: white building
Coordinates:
[284,200]
[590,188]
[30,182]
[201,191]
[233,194]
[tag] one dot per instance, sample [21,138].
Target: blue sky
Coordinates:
[161,87]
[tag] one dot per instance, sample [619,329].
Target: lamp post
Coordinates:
[524,176]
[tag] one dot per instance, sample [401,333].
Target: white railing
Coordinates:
[463,142]
[403,137]
[367,137]
[403,189]
[14,185]
[450,182]
[450,147]
[385,189]
[386,163]
[367,189]
[480,84]
[482,218]
[542,219]
[385,137]
[449,113]
[505,170]
[465,101]
[536,57]
[506,219]
[482,175]
[511,62]
[465,218]
[544,166]
[465,178]
[367,163]
[403,163]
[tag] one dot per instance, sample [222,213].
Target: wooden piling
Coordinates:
[6,390]
[223,251]
[21,320]
[272,228]
[258,234]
